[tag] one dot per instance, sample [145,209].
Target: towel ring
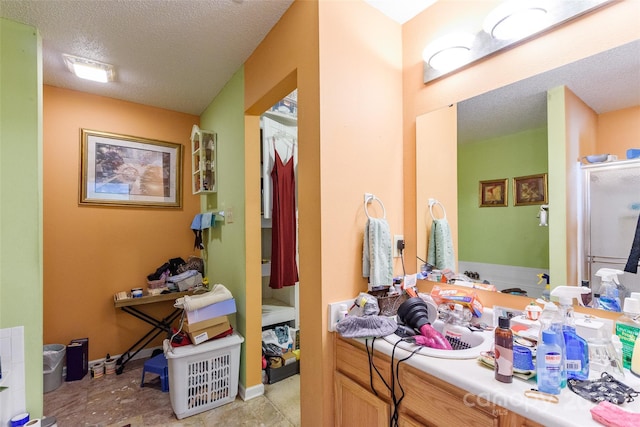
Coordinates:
[370,199]
[433,202]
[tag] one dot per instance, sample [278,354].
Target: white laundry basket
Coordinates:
[203,376]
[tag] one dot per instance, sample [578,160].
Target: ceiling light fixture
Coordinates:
[514,20]
[449,52]
[89,69]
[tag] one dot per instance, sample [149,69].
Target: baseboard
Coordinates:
[251,392]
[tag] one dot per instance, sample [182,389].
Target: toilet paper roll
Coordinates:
[36,422]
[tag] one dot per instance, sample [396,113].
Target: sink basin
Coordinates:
[478,342]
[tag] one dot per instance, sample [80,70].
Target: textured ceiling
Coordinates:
[173,54]
[178,54]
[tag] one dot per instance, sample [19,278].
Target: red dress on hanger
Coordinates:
[284,269]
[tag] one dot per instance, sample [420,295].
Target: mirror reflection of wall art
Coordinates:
[120,170]
[530,190]
[494,193]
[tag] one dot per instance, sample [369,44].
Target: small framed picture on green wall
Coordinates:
[530,190]
[493,193]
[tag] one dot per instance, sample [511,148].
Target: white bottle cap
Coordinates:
[635,295]
[631,305]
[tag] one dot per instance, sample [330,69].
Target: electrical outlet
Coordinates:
[333,314]
[396,239]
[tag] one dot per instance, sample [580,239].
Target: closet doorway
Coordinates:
[279,237]
[279,150]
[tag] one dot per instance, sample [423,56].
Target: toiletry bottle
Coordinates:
[503,366]
[549,364]
[635,358]
[595,302]
[609,293]
[628,328]
[586,297]
[576,349]
[550,320]
[547,288]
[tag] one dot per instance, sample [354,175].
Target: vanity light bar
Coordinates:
[547,14]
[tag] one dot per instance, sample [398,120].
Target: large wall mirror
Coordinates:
[503,134]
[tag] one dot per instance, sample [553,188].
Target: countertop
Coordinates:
[571,411]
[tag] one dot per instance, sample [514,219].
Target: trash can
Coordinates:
[52,357]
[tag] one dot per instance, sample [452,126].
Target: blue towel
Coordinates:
[440,253]
[376,255]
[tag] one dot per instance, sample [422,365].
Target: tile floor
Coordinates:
[119,401]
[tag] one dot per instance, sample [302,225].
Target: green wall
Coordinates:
[21,196]
[501,235]
[226,257]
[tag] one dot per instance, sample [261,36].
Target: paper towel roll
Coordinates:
[36,422]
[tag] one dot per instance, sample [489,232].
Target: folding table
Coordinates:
[133,306]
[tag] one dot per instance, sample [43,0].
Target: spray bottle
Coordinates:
[609,294]
[547,289]
[550,320]
[577,350]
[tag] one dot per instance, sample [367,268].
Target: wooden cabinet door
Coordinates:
[355,406]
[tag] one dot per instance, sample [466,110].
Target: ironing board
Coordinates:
[133,306]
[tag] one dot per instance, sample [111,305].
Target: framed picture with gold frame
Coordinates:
[530,190]
[493,193]
[122,170]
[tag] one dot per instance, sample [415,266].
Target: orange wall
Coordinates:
[618,131]
[90,253]
[349,104]
[288,58]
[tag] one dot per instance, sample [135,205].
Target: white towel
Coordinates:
[440,253]
[376,253]
[193,302]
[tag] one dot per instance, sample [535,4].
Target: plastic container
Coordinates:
[628,328]
[205,376]
[52,357]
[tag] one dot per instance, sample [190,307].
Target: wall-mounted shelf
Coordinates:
[204,167]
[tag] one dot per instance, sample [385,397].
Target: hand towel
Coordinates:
[376,254]
[440,253]
[610,415]
[634,255]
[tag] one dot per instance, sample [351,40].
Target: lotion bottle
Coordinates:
[549,364]
[503,365]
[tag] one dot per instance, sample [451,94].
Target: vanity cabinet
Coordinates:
[428,401]
[204,171]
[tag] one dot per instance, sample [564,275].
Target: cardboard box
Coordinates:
[201,335]
[218,309]
[199,326]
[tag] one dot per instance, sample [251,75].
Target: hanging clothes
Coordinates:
[284,269]
[282,136]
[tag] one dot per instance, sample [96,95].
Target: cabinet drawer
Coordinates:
[352,361]
[437,403]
